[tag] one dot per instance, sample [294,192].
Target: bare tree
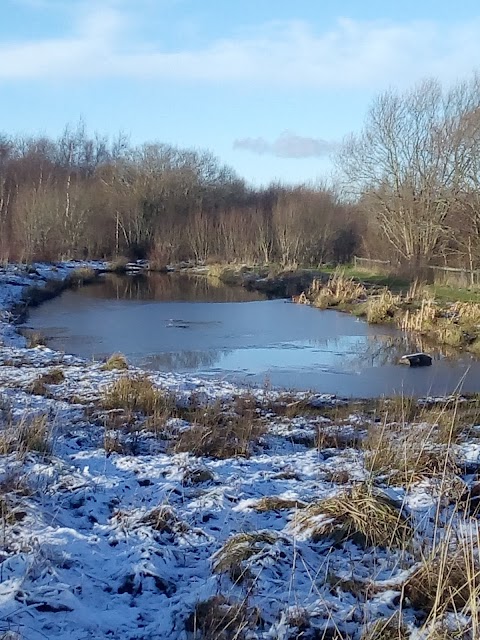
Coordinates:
[409,162]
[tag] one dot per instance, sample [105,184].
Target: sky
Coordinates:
[269,86]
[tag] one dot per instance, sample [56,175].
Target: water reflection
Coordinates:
[189,324]
[167,288]
[183,360]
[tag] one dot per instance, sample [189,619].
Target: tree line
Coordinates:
[83,196]
[407,189]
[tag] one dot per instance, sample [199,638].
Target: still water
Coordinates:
[190,325]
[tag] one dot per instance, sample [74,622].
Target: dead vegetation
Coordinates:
[277,503]
[39,386]
[221,618]
[392,628]
[30,433]
[339,290]
[136,393]
[363,514]
[233,557]
[218,434]
[117,361]
[164,520]
[447,580]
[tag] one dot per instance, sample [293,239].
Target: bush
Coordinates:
[118,265]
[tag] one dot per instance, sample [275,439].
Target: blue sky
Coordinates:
[270,86]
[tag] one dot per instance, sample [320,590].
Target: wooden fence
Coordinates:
[451,276]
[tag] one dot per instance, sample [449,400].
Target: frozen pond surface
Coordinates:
[189,325]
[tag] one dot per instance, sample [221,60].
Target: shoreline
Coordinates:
[149,505]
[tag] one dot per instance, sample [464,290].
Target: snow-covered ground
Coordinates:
[124,544]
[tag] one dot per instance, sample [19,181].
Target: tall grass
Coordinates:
[339,290]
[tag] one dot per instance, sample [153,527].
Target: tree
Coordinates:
[410,163]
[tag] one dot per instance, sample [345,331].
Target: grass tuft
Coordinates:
[276,503]
[240,548]
[114,362]
[39,385]
[219,618]
[386,629]
[136,393]
[365,515]
[339,290]
[218,434]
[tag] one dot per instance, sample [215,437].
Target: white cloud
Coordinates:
[287,145]
[288,55]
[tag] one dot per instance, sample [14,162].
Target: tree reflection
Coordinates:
[184,360]
[168,288]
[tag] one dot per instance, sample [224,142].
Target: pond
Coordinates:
[190,325]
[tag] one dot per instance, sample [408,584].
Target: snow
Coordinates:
[83,560]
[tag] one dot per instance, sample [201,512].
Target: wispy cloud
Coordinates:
[289,55]
[287,145]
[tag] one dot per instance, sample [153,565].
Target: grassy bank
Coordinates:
[442,315]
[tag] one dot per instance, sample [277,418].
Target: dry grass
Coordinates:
[114,362]
[118,265]
[448,580]
[233,557]
[386,629]
[219,618]
[81,276]
[457,325]
[39,385]
[362,514]
[136,393]
[382,307]
[339,290]
[413,442]
[165,520]
[218,434]
[404,454]
[31,433]
[276,503]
